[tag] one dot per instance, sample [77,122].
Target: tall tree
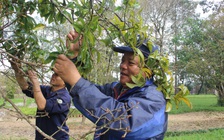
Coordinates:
[166,17]
[215,50]
[202,51]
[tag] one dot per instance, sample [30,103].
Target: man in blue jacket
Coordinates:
[53,103]
[120,112]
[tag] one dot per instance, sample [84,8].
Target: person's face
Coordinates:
[129,67]
[56,80]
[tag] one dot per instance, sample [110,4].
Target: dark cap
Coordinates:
[142,47]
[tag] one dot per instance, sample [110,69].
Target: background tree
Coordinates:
[215,47]
[202,51]
[165,18]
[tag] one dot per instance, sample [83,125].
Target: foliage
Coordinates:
[10,89]
[164,79]
[10,94]
[8,86]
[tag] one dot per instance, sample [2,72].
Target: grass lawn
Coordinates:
[213,134]
[200,103]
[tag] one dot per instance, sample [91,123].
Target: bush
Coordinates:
[221,102]
[10,94]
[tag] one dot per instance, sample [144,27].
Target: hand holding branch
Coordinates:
[74,42]
[67,70]
[33,78]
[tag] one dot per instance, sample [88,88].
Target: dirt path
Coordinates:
[11,127]
[196,121]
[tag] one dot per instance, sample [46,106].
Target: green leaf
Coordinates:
[138,81]
[118,22]
[52,56]
[186,101]
[168,106]
[94,23]
[51,18]
[91,38]
[131,85]
[48,60]
[78,27]
[141,56]
[39,27]
[184,89]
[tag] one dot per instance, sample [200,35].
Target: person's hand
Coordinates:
[33,77]
[67,70]
[72,37]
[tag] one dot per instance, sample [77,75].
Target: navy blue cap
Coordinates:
[143,48]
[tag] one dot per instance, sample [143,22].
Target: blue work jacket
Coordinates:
[55,113]
[135,114]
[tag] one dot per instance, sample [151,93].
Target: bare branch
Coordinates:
[25,117]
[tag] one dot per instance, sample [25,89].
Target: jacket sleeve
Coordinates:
[58,103]
[29,91]
[137,114]
[107,88]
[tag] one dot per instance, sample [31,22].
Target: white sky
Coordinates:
[199,10]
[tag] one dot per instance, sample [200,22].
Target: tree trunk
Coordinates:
[221,95]
[24,101]
[199,91]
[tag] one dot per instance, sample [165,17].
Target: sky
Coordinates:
[199,9]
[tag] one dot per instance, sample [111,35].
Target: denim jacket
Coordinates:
[135,114]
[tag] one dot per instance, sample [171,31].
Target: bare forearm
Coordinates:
[37,93]
[40,100]
[38,96]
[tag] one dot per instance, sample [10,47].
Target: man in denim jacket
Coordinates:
[120,112]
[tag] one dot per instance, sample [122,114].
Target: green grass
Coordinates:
[212,134]
[28,111]
[200,103]
[18,100]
